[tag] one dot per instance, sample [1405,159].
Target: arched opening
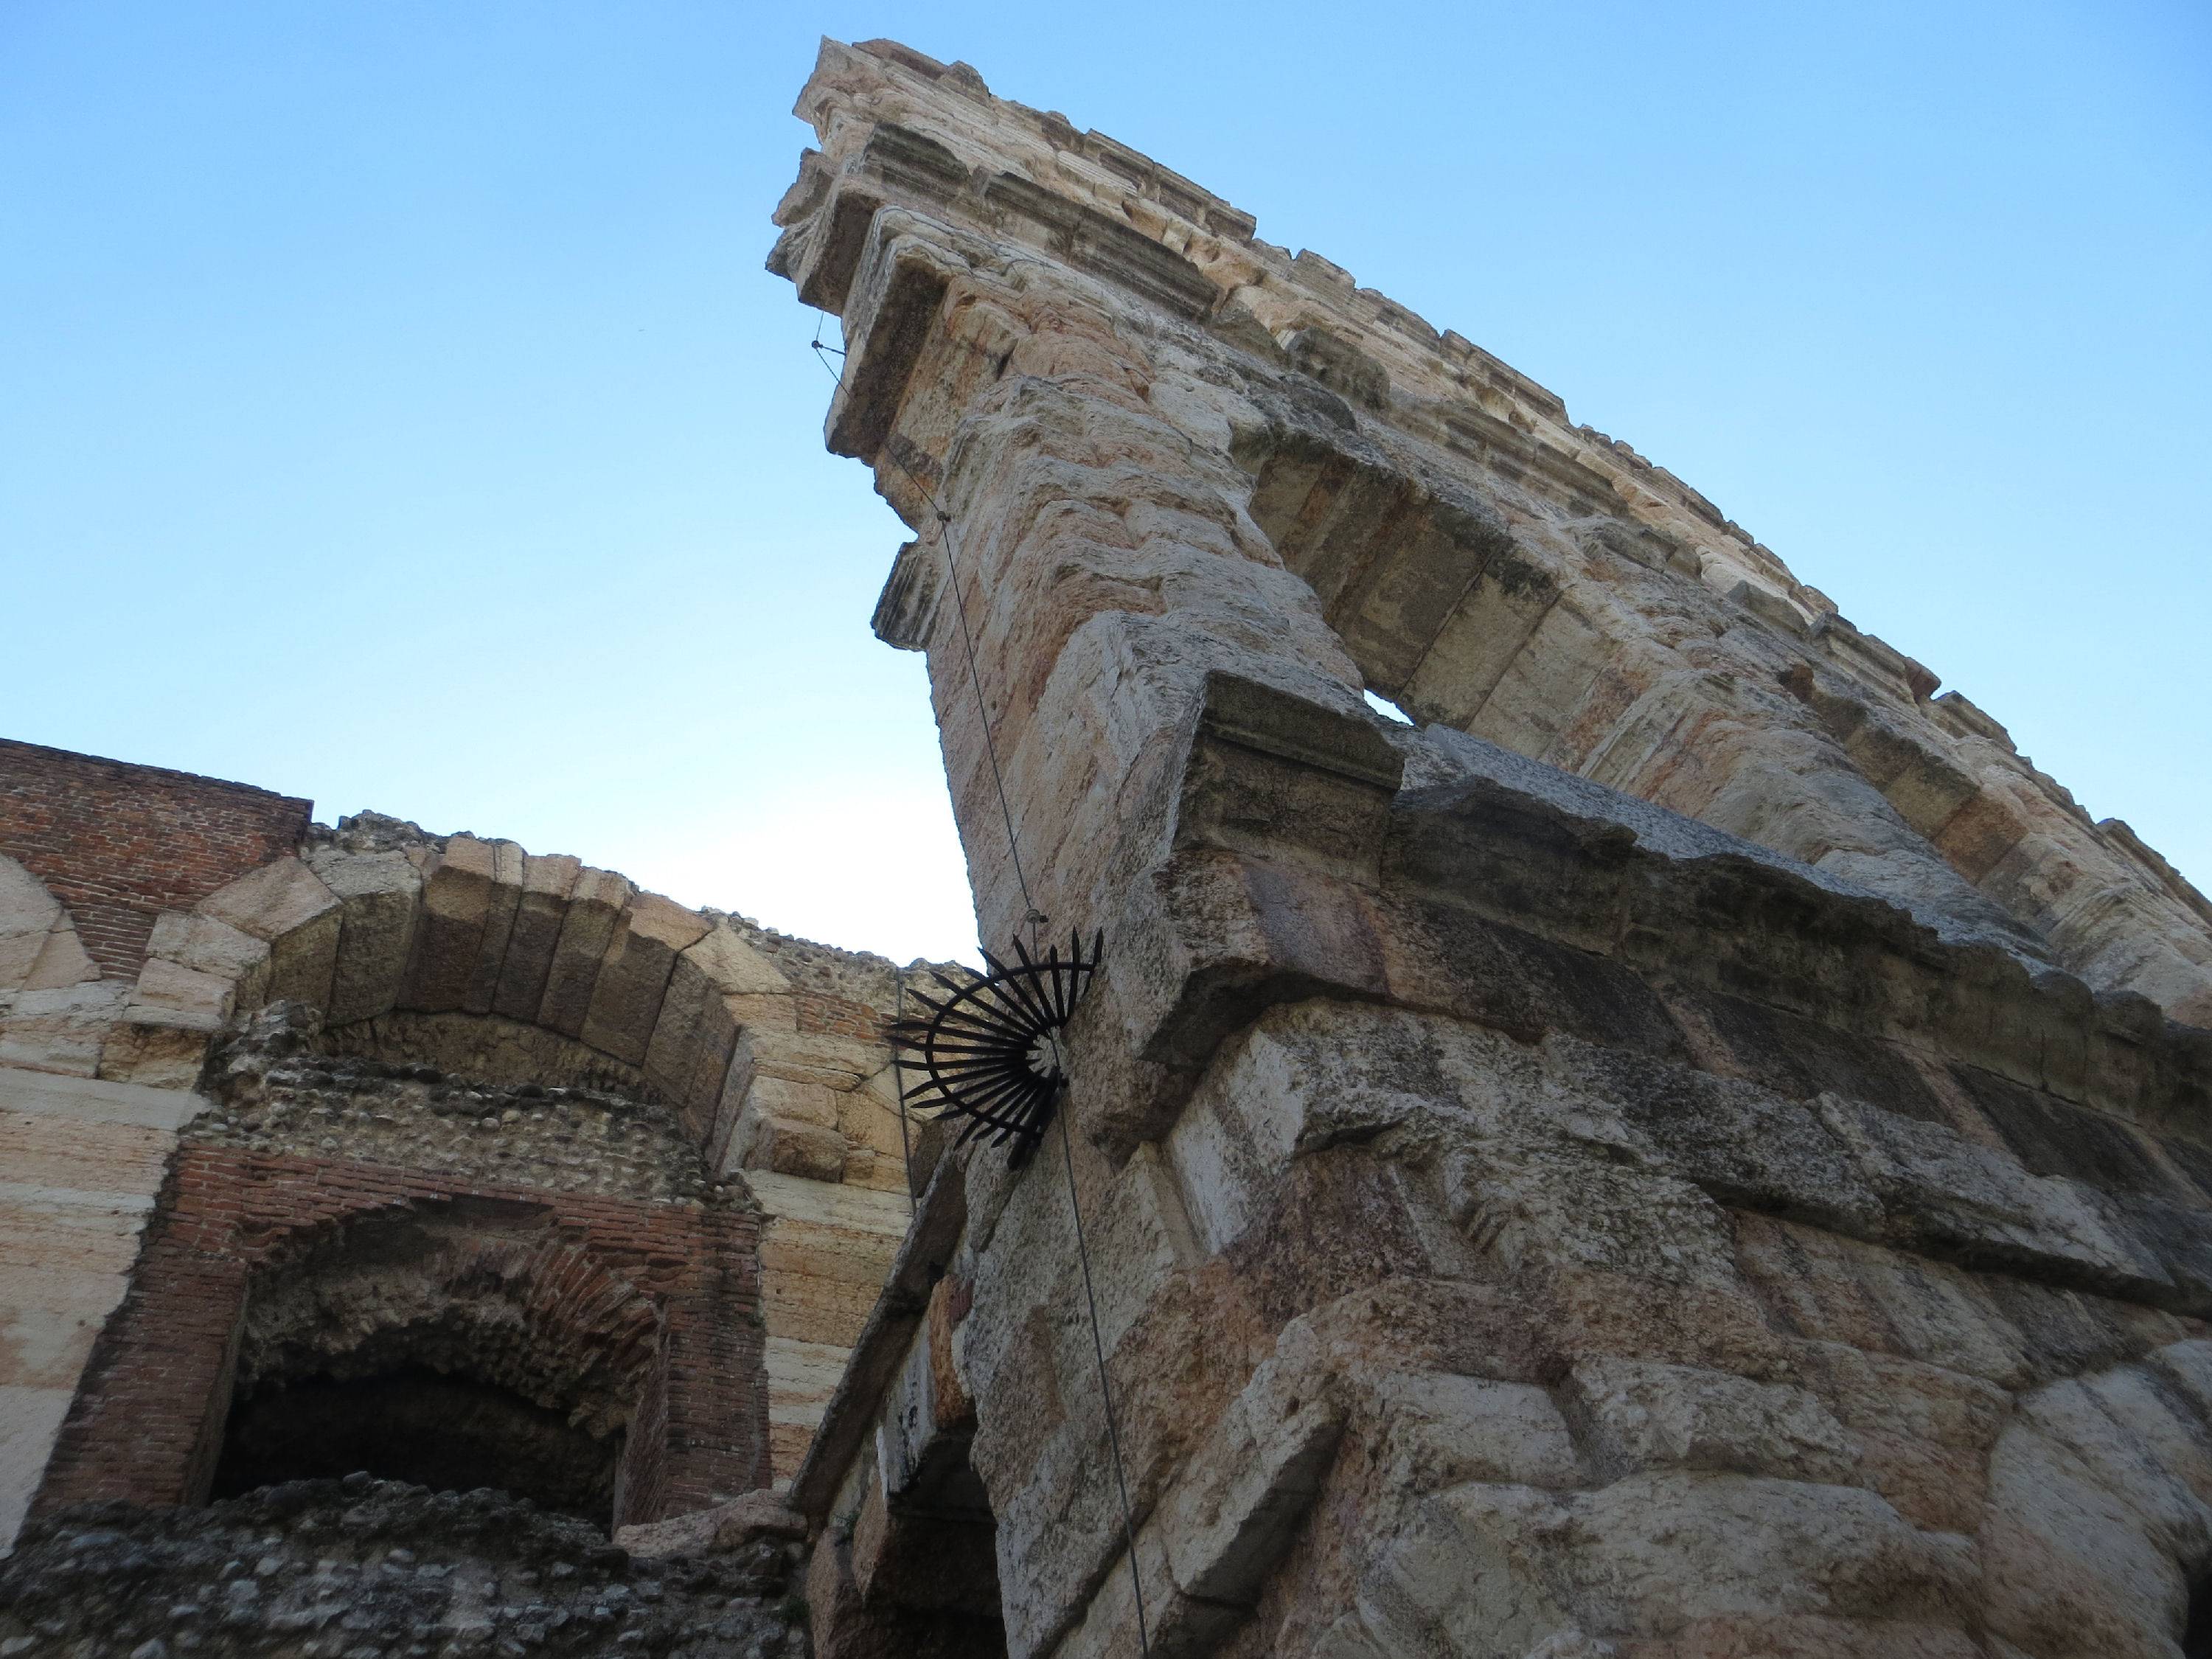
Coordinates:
[469,1346]
[428,1428]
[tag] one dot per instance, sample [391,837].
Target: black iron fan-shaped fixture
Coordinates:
[989,1051]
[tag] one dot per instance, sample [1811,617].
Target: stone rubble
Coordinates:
[363,1568]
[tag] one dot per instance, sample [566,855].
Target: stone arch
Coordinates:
[467,1342]
[616,1324]
[516,971]
[512,966]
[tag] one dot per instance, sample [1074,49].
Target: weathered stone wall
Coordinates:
[1023,293]
[1684,1154]
[334,1220]
[482,1025]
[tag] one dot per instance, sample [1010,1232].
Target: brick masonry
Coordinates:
[147,1424]
[119,843]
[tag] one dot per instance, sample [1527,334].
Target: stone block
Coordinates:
[27,914]
[501,906]
[380,895]
[62,961]
[634,976]
[787,1146]
[690,1049]
[1644,1415]
[1235,1507]
[2067,1566]
[1923,1433]
[457,899]
[178,995]
[207,946]
[148,1051]
[540,912]
[61,1030]
[587,928]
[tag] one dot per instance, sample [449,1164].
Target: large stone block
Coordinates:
[595,909]
[207,946]
[509,865]
[634,976]
[457,899]
[380,895]
[541,910]
[285,904]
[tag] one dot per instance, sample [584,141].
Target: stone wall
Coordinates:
[1021,293]
[1689,1152]
[462,1024]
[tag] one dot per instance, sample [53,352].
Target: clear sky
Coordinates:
[393,409]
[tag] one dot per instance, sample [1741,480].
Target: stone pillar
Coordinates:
[1522,1220]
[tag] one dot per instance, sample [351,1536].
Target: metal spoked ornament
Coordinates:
[989,1051]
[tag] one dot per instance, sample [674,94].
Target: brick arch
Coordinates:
[498,1292]
[641,1318]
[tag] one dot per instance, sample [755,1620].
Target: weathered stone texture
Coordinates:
[329,1566]
[1639,1163]
[390,1013]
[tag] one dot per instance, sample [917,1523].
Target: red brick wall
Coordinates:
[146,1425]
[119,843]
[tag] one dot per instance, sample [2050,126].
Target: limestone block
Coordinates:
[2145,1469]
[28,913]
[2067,1566]
[1943,1188]
[381,895]
[548,881]
[1443,1430]
[718,1527]
[61,1030]
[787,1146]
[1923,1433]
[143,1048]
[170,995]
[30,1421]
[1542,1209]
[689,1052]
[595,908]
[766,1094]
[1231,1516]
[457,898]
[641,956]
[1654,1551]
[735,968]
[1839,1289]
[825,1249]
[62,961]
[801,1378]
[207,946]
[1645,1415]
[287,905]
[510,863]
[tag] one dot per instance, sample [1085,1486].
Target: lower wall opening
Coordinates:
[413,1424]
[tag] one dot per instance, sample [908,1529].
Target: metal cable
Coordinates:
[1034,920]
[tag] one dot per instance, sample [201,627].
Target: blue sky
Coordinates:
[393,409]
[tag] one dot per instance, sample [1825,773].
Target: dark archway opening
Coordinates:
[417,1425]
[2197,1637]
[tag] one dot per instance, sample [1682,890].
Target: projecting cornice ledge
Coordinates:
[1301,864]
